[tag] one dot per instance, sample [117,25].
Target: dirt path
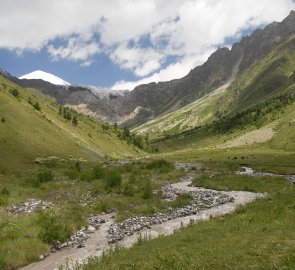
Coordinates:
[98,241]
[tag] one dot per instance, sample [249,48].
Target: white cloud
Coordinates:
[186,30]
[172,71]
[141,61]
[80,48]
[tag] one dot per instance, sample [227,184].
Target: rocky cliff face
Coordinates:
[150,100]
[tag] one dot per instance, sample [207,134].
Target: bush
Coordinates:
[50,161]
[147,191]
[3,200]
[14,92]
[3,120]
[44,177]
[98,172]
[182,200]
[160,164]
[5,192]
[52,228]
[37,106]
[87,175]
[73,173]
[113,179]
[129,190]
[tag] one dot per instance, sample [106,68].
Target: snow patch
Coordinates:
[41,75]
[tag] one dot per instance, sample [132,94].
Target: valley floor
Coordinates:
[98,243]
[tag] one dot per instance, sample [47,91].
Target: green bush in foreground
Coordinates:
[52,228]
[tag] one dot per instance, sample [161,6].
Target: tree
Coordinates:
[126,132]
[15,92]
[75,121]
[37,106]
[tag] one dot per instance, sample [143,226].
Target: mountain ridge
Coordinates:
[151,100]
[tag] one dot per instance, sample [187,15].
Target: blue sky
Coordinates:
[123,43]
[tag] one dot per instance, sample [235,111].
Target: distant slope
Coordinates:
[26,133]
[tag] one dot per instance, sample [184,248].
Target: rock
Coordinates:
[91,229]
[81,245]
[41,257]
[30,206]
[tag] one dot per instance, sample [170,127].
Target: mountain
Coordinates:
[267,78]
[256,111]
[148,101]
[152,100]
[41,75]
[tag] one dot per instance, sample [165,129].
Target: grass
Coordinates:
[258,236]
[227,182]
[93,188]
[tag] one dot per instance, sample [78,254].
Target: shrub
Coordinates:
[3,120]
[160,164]
[113,179]
[14,92]
[45,176]
[87,175]
[3,200]
[75,121]
[129,190]
[98,172]
[182,200]
[147,190]
[73,173]
[37,106]
[5,192]
[50,161]
[52,228]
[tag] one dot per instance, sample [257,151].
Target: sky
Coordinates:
[120,44]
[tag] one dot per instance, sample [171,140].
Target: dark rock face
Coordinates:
[150,100]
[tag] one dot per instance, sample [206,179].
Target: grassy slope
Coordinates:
[27,133]
[197,113]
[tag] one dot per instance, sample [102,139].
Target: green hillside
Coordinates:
[27,133]
[274,75]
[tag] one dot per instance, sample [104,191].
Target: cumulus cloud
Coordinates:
[142,61]
[138,36]
[80,48]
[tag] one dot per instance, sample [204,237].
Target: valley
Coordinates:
[192,173]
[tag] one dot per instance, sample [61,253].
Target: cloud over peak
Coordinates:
[138,36]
